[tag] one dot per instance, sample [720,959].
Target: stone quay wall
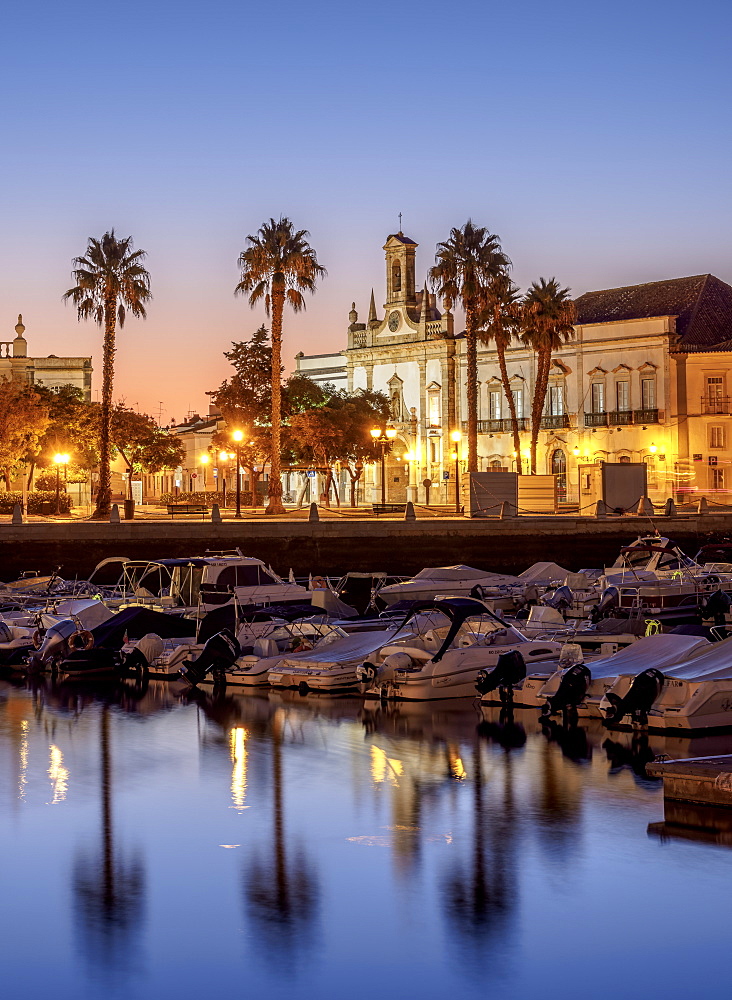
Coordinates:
[333,547]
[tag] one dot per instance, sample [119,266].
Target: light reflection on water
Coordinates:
[283,845]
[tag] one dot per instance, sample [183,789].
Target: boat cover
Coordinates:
[457,573]
[711,663]
[136,622]
[355,646]
[543,572]
[661,651]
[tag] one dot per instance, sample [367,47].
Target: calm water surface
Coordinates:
[155,846]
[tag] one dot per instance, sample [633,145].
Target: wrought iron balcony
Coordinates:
[716,404]
[596,419]
[620,418]
[499,426]
[645,416]
[555,421]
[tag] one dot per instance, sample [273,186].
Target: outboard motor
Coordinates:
[367,672]
[509,670]
[607,603]
[571,691]
[138,660]
[560,600]
[644,690]
[220,652]
[54,646]
[717,606]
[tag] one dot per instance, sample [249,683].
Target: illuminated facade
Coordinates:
[52,372]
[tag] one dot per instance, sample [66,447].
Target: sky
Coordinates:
[593,138]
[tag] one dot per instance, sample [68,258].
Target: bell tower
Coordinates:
[400,262]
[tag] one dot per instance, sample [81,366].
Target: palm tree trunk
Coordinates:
[274,504]
[471,345]
[501,352]
[104,493]
[543,361]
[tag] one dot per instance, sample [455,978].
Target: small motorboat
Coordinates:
[454,581]
[427,659]
[693,695]
[580,688]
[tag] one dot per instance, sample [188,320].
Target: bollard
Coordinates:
[645,507]
[18,514]
[313,514]
[670,509]
[703,506]
[601,509]
[114,514]
[409,514]
[215,514]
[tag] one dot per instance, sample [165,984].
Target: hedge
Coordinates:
[36,501]
[208,498]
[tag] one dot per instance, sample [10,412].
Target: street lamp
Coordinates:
[383,436]
[238,437]
[456,438]
[204,460]
[224,458]
[59,459]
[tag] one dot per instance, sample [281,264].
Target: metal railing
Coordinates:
[716,404]
[555,421]
[500,426]
[645,416]
[620,418]
[596,419]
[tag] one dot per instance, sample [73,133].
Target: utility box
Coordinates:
[620,484]
[482,494]
[537,494]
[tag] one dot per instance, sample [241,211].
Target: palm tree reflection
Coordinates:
[281,891]
[109,888]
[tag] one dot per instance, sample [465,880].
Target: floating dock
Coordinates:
[701,780]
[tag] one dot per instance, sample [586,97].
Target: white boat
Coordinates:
[291,640]
[692,696]
[453,581]
[249,580]
[443,659]
[581,688]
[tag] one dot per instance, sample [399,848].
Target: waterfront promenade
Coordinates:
[350,540]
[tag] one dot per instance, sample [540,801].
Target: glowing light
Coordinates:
[653,449]
[23,754]
[238,435]
[391,432]
[526,453]
[204,459]
[375,432]
[223,455]
[238,752]
[456,436]
[576,452]
[457,768]
[383,767]
[61,459]
[58,774]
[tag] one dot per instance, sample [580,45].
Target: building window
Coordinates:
[716,476]
[648,393]
[396,277]
[434,454]
[435,414]
[715,394]
[518,401]
[556,400]
[496,465]
[597,397]
[559,469]
[494,405]
[622,396]
[716,437]
[624,459]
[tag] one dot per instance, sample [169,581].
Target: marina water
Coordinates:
[162,844]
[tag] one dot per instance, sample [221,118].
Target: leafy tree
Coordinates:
[142,444]
[23,422]
[466,266]
[548,316]
[110,280]
[338,432]
[73,428]
[500,322]
[277,266]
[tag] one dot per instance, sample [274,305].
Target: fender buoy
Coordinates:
[81,640]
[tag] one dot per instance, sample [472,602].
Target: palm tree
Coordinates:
[548,322]
[110,280]
[500,322]
[278,265]
[466,265]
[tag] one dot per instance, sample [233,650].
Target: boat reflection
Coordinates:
[108,884]
[689,821]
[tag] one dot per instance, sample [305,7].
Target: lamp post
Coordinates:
[383,436]
[238,437]
[204,459]
[59,459]
[456,438]
[224,458]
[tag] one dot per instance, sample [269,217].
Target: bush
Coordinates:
[39,502]
[46,481]
[208,498]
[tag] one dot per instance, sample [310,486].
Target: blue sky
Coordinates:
[595,139]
